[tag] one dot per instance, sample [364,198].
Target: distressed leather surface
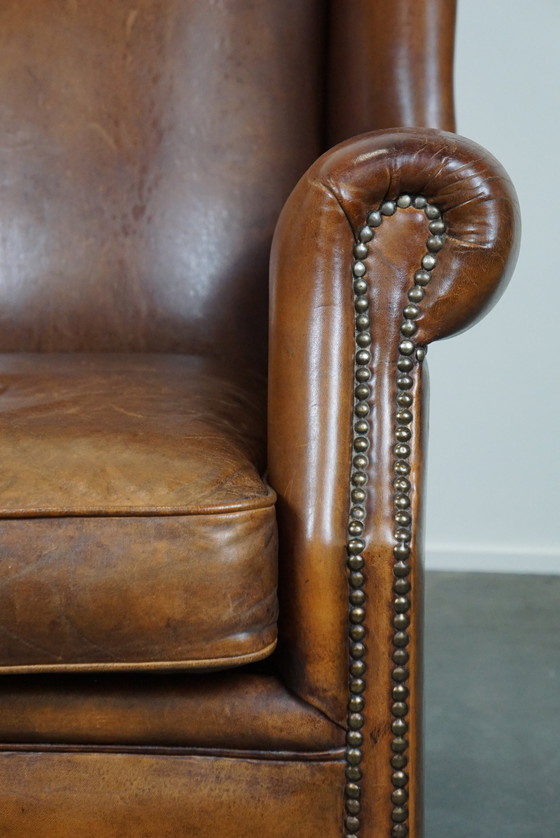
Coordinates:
[235,710]
[146,149]
[150,796]
[135,530]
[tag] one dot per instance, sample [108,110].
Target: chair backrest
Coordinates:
[146,147]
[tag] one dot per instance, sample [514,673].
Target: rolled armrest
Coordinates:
[390,241]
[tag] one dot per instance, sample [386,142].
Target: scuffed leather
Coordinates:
[146,149]
[152,796]
[128,434]
[136,531]
[236,710]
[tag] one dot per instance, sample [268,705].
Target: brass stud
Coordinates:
[355,562]
[437,227]
[356,578]
[354,756]
[360,250]
[353,790]
[356,703]
[357,632]
[402,467]
[388,208]
[357,650]
[401,604]
[411,311]
[399,796]
[366,234]
[400,692]
[401,639]
[353,806]
[404,417]
[401,449]
[416,294]
[401,586]
[360,286]
[429,261]
[357,614]
[432,212]
[404,382]
[356,721]
[409,328]
[357,685]
[374,218]
[400,673]
[434,244]
[399,761]
[403,434]
[357,597]
[358,269]
[401,657]
[399,779]
[399,727]
[354,738]
[422,277]
[405,399]
[405,364]
[399,814]
[406,347]
[352,823]
[401,621]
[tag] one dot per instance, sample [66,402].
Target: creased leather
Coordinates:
[238,710]
[128,434]
[136,530]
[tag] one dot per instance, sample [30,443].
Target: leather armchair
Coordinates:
[189,648]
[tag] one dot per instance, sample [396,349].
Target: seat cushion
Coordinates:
[135,528]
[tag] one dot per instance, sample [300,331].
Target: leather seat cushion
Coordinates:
[135,528]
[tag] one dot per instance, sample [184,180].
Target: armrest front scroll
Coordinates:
[390,241]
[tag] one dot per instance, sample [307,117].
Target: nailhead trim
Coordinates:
[410,355]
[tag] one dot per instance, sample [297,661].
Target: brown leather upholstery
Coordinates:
[146,149]
[136,529]
[144,796]
[235,711]
[314,326]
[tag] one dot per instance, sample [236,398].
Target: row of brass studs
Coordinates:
[409,355]
[356,544]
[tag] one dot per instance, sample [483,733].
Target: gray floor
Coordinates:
[492,706]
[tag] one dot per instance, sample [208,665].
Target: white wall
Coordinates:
[494,456]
